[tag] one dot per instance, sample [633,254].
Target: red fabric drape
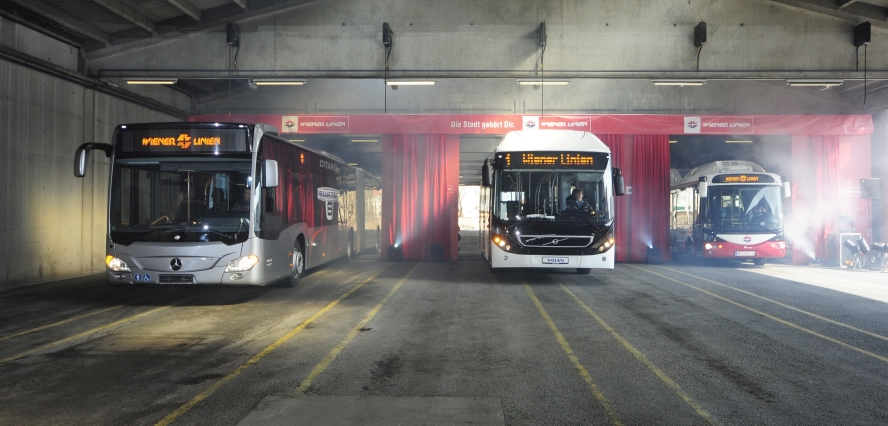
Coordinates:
[650,196]
[815,196]
[642,215]
[421,178]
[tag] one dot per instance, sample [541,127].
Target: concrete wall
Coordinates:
[53,225]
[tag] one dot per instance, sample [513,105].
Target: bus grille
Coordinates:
[555,241]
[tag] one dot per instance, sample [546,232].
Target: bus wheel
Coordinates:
[584,271]
[298,266]
[759,261]
[350,248]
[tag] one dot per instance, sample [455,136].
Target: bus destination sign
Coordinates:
[183,140]
[742,178]
[552,159]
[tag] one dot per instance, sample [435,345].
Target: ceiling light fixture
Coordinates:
[296,140]
[678,82]
[803,82]
[539,82]
[673,141]
[150,80]
[365,140]
[410,82]
[738,141]
[279,81]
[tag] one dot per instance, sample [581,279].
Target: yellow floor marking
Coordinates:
[771,317]
[650,365]
[609,410]
[44,327]
[850,327]
[315,372]
[80,335]
[221,382]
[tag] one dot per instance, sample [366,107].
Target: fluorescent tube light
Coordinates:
[150,80]
[539,82]
[352,164]
[279,81]
[410,82]
[365,140]
[738,141]
[673,141]
[296,140]
[803,82]
[678,82]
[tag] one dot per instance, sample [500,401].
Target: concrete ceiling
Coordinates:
[610,52]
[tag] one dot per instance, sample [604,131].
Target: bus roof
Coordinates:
[551,140]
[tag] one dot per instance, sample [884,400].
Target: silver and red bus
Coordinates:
[728,210]
[223,203]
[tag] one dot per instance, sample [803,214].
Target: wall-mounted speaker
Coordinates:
[386,35]
[870,188]
[700,34]
[232,34]
[862,34]
[542,33]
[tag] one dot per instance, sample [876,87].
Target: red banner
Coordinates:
[626,124]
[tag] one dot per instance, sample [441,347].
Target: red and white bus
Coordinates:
[728,210]
[221,203]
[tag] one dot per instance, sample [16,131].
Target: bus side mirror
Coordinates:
[787,191]
[270,174]
[81,156]
[485,175]
[703,189]
[619,186]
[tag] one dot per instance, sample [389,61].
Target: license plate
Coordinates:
[177,279]
[744,253]
[555,260]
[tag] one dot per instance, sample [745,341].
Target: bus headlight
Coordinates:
[242,264]
[607,244]
[115,264]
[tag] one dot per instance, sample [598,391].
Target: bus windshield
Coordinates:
[545,195]
[746,208]
[195,200]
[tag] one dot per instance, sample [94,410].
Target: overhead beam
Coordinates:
[863,11]
[66,20]
[187,8]
[211,19]
[128,13]
[241,3]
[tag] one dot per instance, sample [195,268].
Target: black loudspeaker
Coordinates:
[386,35]
[870,188]
[232,34]
[542,33]
[436,252]
[700,34]
[862,34]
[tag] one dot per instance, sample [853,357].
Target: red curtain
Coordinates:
[815,196]
[420,174]
[643,214]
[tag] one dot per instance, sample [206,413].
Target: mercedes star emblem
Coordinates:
[176,264]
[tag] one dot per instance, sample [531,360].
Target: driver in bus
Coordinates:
[576,201]
[760,213]
[244,205]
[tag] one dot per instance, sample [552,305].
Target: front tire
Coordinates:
[297,267]
[584,271]
[759,261]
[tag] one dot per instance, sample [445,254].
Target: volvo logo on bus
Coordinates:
[176,264]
